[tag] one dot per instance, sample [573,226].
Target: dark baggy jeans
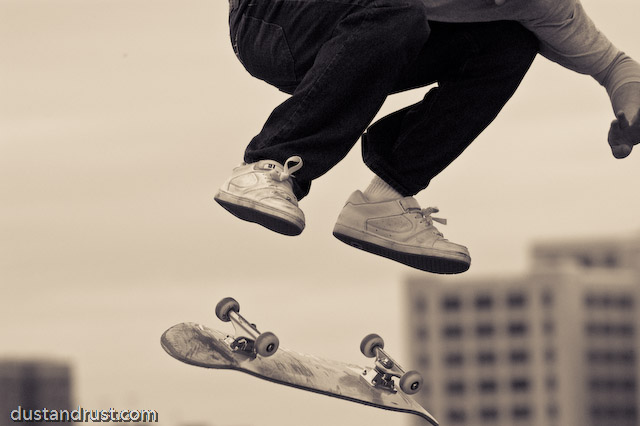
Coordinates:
[340,59]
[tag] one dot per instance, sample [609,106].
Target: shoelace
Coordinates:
[425,217]
[282,176]
[288,171]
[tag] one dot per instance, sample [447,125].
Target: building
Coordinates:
[33,385]
[556,347]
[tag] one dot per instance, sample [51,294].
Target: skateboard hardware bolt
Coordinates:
[386,363]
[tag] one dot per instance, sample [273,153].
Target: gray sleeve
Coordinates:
[569,37]
[622,70]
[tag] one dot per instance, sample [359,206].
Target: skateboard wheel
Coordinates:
[369,344]
[411,382]
[225,306]
[267,344]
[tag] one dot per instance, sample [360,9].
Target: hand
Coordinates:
[624,135]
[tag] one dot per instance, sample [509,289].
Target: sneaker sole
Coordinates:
[423,262]
[259,214]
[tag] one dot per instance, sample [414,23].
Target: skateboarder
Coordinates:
[340,60]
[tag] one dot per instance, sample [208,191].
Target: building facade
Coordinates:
[558,346]
[33,385]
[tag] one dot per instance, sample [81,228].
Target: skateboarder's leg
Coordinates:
[339,61]
[478,68]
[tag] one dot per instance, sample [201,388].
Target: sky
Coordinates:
[119,119]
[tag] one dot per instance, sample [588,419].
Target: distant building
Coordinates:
[33,384]
[558,347]
[584,256]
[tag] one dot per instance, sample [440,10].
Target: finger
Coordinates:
[615,134]
[636,119]
[622,120]
[621,151]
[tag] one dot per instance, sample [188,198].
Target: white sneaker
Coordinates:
[400,230]
[262,192]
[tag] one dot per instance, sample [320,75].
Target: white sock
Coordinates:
[379,190]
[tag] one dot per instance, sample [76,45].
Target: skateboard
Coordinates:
[259,354]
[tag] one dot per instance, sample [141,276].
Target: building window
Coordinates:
[521,412]
[420,305]
[585,260]
[606,301]
[456,387]
[630,413]
[625,302]
[485,330]
[520,384]
[609,413]
[627,385]
[519,356]
[594,329]
[454,359]
[598,411]
[602,384]
[424,361]
[552,411]
[518,329]
[516,300]
[551,383]
[549,355]
[489,414]
[607,329]
[486,358]
[452,331]
[456,416]
[596,356]
[451,303]
[547,298]
[548,327]
[626,330]
[609,357]
[484,302]
[611,260]
[487,386]
[422,333]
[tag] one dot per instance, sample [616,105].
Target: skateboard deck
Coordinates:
[201,346]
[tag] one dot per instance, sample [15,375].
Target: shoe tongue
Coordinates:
[409,203]
[269,165]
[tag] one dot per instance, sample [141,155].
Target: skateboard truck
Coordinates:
[247,338]
[386,368]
